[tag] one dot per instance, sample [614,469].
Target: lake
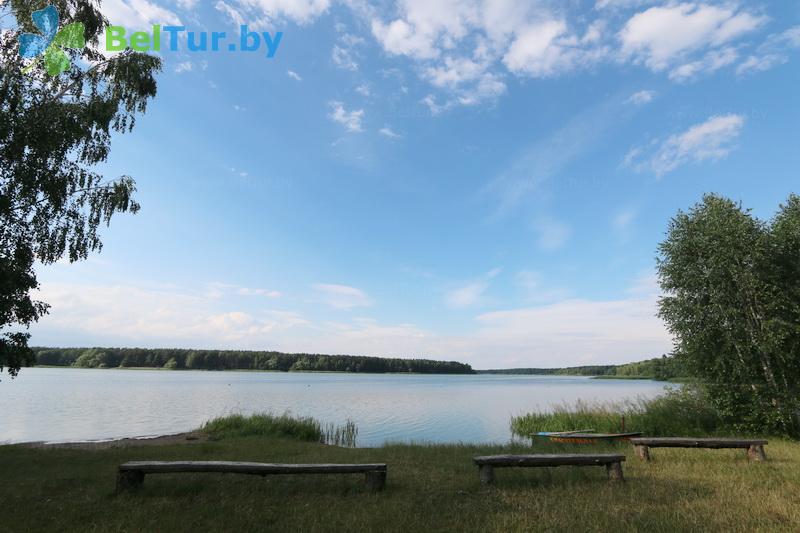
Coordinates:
[68,405]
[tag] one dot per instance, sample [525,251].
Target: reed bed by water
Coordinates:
[684,411]
[286,426]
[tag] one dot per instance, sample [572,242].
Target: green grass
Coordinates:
[429,488]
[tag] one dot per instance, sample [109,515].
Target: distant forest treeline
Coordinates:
[661,368]
[238,360]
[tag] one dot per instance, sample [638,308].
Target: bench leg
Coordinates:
[614,471]
[375,481]
[129,479]
[642,451]
[756,453]
[487,474]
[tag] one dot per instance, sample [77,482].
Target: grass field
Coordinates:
[429,488]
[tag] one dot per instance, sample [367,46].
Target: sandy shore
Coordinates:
[180,438]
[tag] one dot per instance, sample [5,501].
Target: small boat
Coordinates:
[584,437]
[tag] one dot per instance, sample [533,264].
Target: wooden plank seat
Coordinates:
[754,447]
[132,474]
[487,464]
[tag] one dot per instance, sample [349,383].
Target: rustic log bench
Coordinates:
[132,474]
[487,464]
[755,448]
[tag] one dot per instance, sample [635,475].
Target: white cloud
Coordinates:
[351,120]
[572,332]
[166,316]
[642,97]
[294,75]
[386,131]
[709,141]
[536,52]
[342,296]
[620,4]
[663,36]
[568,332]
[363,90]
[454,71]
[461,46]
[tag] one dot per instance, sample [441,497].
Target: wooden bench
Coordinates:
[755,448]
[487,464]
[132,474]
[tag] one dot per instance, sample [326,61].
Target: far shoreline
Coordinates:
[475,373]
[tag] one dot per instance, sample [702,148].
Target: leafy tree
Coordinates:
[731,283]
[54,130]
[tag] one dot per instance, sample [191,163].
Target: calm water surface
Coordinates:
[45,404]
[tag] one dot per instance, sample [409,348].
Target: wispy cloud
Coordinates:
[342,296]
[551,234]
[294,75]
[231,12]
[773,52]
[545,158]
[711,140]
[470,294]
[386,131]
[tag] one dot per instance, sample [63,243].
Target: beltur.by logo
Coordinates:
[117,40]
[51,42]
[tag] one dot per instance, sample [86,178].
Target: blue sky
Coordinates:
[485,181]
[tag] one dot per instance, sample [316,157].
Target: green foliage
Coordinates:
[54,130]
[93,358]
[680,412]
[172,364]
[241,360]
[661,368]
[732,284]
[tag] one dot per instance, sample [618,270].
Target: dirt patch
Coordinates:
[180,438]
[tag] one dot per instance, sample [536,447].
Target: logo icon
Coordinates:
[50,44]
